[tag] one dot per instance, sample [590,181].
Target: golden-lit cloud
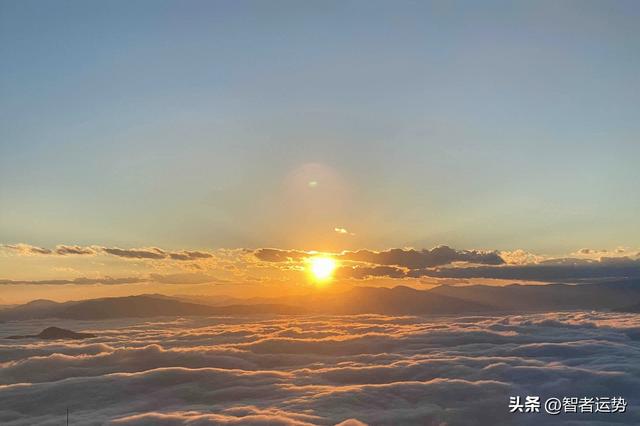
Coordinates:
[26,249]
[454,370]
[74,250]
[520,257]
[277,255]
[414,259]
[77,281]
[287,270]
[343,231]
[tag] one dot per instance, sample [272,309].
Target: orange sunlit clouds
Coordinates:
[321,268]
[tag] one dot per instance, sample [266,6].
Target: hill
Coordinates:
[137,306]
[399,300]
[53,333]
[516,297]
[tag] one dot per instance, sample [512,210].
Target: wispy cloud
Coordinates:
[76,281]
[178,278]
[78,250]
[187,278]
[26,249]
[152,253]
[144,253]
[343,231]
[550,270]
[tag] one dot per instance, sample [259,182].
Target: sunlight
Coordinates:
[321,268]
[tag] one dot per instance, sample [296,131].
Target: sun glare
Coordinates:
[322,268]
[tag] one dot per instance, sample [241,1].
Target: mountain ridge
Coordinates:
[399,300]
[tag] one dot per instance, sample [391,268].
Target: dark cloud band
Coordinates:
[153,253]
[403,258]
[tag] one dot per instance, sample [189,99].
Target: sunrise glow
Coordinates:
[321,268]
[309,213]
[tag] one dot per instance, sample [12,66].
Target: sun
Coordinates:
[321,268]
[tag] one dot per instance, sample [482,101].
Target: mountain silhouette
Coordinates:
[53,333]
[544,297]
[400,300]
[138,306]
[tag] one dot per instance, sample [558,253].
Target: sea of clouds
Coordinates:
[350,370]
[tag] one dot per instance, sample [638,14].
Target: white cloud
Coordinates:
[343,231]
[320,370]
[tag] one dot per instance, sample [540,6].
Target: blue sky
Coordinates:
[200,124]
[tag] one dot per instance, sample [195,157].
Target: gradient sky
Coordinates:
[251,124]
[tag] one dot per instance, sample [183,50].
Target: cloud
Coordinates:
[519,257]
[404,258]
[250,416]
[61,249]
[77,281]
[343,231]
[549,270]
[413,259]
[156,253]
[190,255]
[444,262]
[79,250]
[439,262]
[186,278]
[591,251]
[153,253]
[26,249]
[179,278]
[349,370]
[363,272]
[277,255]
[144,253]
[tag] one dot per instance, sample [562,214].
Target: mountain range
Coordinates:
[621,295]
[141,306]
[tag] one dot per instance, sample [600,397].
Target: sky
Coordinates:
[330,126]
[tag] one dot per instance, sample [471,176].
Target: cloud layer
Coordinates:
[551,270]
[402,258]
[77,281]
[445,262]
[136,253]
[441,262]
[321,370]
[180,278]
